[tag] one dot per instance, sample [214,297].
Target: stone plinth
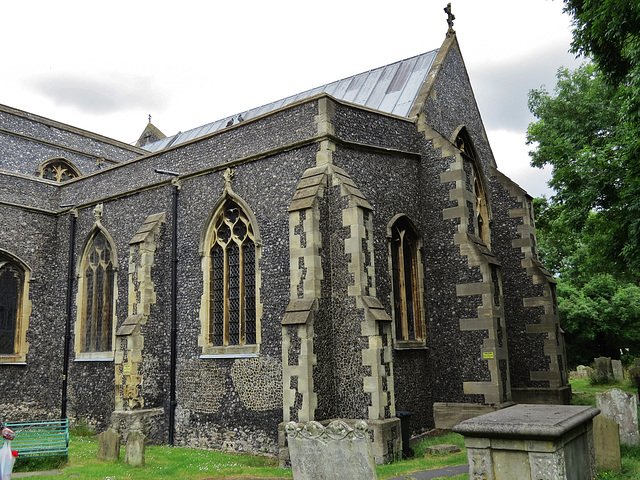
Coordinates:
[331,452]
[531,442]
[152,422]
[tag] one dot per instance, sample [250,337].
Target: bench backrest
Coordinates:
[40,438]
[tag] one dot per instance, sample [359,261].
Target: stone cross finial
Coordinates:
[450,19]
[150,114]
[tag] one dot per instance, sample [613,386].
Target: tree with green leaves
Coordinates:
[588,130]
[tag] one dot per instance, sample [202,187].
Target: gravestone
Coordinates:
[636,362]
[583,372]
[623,408]
[135,449]
[331,452]
[634,375]
[618,373]
[604,370]
[109,445]
[606,440]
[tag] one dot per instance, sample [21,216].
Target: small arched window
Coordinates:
[406,272]
[14,306]
[58,170]
[96,307]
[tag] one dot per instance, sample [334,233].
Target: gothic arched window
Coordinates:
[229,300]
[406,272]
[14,308]
[478,224]
[59,170]
[96,293]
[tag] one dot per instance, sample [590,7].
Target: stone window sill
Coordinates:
[94,357]
[231,351]
[11,360]
[410,345]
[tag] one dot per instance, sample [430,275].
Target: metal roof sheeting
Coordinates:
[391,89]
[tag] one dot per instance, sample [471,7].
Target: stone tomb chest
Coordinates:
[531,442]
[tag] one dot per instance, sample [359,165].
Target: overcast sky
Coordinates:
[106,66]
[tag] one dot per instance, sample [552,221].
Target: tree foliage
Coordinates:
[588,129]
[595,167]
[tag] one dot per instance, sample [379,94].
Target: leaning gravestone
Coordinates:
[618,373]
[109,445]
[331,452]
[604,370]
[623,408]
[606,441]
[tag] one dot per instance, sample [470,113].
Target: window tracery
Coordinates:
[96,309]
[230,311]
[58,170]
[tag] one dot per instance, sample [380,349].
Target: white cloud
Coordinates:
[512,157]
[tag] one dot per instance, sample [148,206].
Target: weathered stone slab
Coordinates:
[606,440]
[135,451]
[332,452]
[442,449]
[604,370]
[618,372]
[582,372]
[623,408]
[109,445]
[531,442]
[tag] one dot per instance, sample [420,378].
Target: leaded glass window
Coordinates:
[11,285]
[59,170]
[232,281]
[98,277]
[405,268]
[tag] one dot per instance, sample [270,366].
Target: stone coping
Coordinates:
[527,421]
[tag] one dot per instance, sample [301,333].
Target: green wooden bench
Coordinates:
[43,438]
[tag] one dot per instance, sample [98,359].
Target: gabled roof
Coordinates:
[390,89]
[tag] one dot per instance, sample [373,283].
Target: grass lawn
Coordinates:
[170,463]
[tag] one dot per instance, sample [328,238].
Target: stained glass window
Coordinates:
[98,295]
[232,291]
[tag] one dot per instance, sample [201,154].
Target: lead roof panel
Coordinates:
[390,89]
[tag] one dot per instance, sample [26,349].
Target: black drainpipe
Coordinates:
[67,329]
[174,313]
[174,307]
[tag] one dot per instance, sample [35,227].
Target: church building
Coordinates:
[349,252]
